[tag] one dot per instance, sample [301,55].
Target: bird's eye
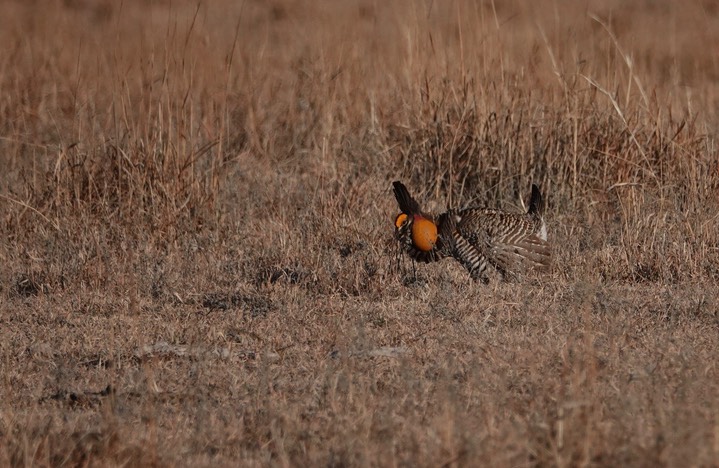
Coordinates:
[400,220]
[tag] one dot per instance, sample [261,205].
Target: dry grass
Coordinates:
[197,265]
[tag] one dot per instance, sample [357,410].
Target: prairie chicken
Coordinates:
[476,237]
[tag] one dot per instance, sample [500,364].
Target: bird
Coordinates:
[477,237]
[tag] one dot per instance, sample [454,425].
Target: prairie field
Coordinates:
[197,255]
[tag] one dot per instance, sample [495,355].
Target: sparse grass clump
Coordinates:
[197,264]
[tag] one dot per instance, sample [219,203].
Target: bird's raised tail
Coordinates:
[536,202]
[407,204]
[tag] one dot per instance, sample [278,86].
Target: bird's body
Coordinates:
[477,237]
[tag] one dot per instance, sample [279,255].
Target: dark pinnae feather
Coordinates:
[407,204]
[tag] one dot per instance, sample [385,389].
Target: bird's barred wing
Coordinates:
[508,242]
[530,252]
[518,244]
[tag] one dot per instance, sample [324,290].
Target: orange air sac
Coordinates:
[424,234]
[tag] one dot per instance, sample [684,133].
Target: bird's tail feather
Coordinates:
[536,202]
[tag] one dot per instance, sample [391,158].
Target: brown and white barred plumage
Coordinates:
[512,243]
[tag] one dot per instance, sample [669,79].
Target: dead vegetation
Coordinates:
[197,264]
